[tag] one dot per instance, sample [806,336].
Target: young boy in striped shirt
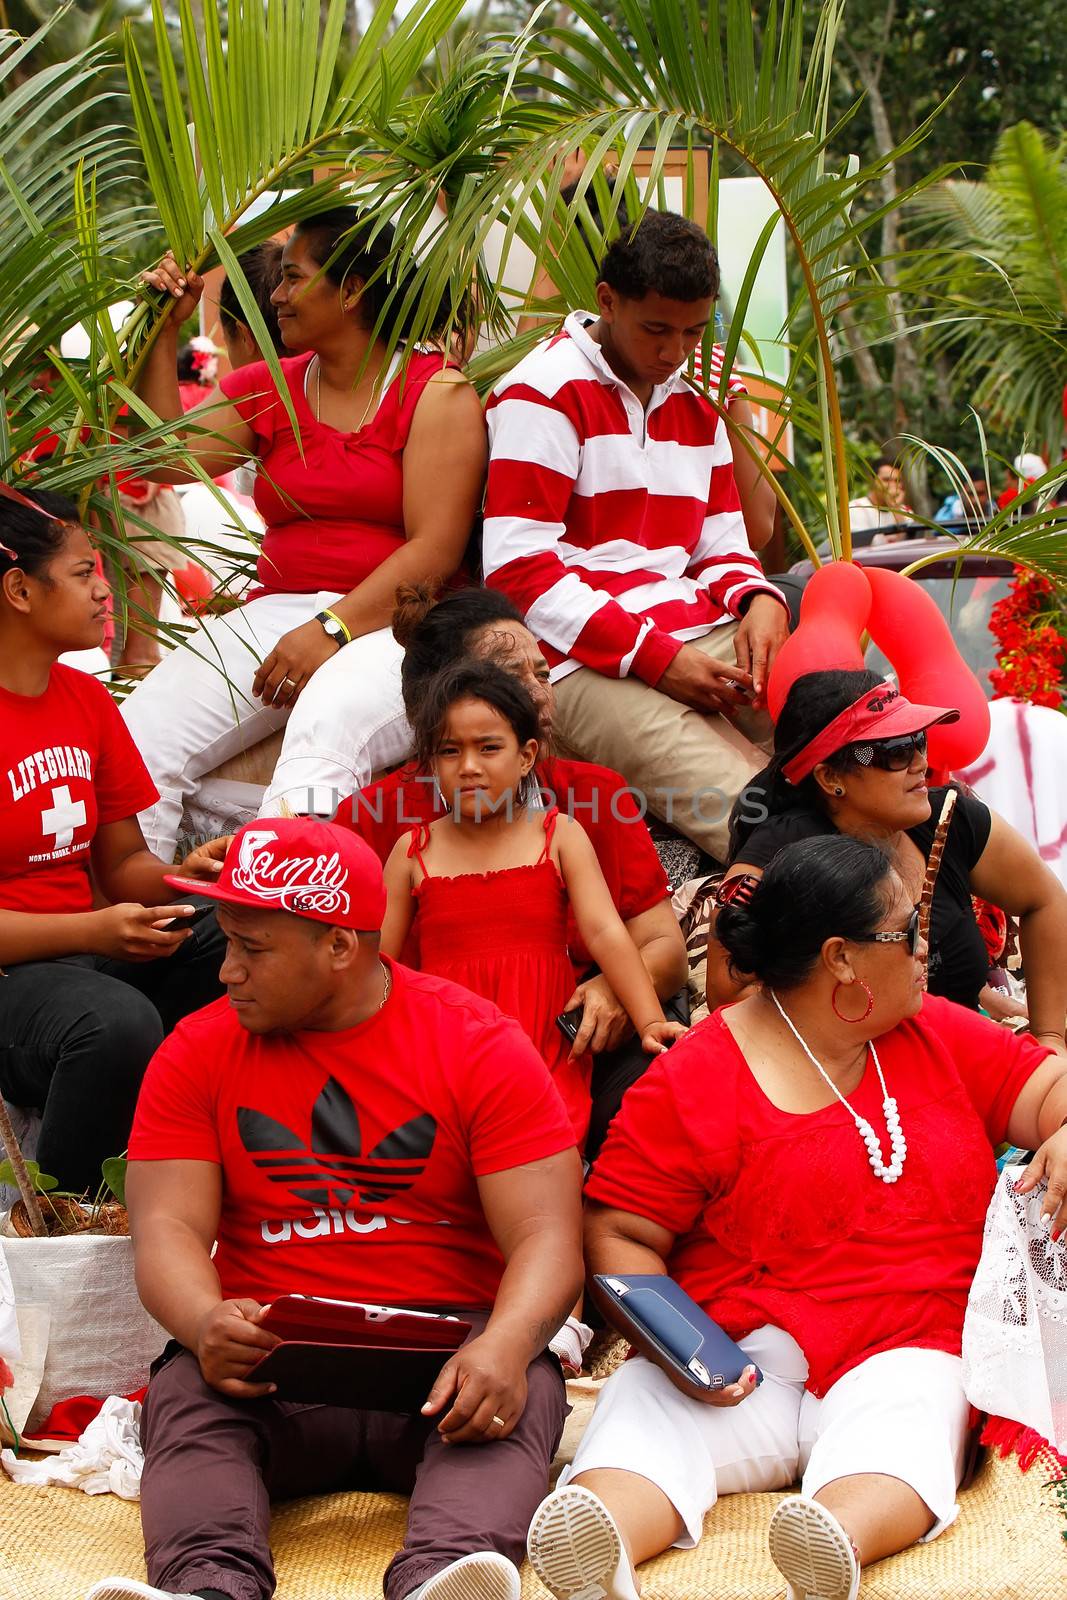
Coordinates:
[613,521]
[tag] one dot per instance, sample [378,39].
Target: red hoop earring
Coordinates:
[840,1014]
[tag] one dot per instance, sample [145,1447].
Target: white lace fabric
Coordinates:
[1015,1330]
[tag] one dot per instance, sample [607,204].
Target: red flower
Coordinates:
[1032,651]
[7,1377]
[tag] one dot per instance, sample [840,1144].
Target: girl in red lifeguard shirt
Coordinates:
[89,988]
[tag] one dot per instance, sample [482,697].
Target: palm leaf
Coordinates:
[999,292]
[757,90]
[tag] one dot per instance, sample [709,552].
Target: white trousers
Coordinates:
[901,1414]
[195,710]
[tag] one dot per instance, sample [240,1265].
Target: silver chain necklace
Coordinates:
[898,1143]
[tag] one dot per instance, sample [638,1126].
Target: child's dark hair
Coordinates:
[666,253]
[812,703]
[36,537]
[472,680]
[345,244]
[438,633]
[262,268]
[812,890]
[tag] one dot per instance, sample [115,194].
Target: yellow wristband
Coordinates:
[340,621]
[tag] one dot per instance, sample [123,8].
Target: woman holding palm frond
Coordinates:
[379,487]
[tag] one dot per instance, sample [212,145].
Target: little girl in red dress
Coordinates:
[490,882]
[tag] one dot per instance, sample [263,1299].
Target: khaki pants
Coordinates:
[164,513]
[689,767]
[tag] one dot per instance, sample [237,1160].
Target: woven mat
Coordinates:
[1006,1545]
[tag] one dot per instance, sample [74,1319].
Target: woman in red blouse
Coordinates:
[380,488]
[813,1165]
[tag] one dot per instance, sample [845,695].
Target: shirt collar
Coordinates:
[577,327]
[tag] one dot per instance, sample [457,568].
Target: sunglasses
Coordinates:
[891,755]
[908,936]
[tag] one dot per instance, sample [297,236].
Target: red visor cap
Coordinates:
[879,713]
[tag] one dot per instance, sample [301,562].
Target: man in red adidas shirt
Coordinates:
[612,520]
[346,1128]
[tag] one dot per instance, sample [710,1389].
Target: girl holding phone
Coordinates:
[98,963]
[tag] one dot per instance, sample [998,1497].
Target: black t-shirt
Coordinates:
[959,961]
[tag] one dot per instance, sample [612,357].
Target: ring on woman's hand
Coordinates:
[500,1422]
[290,681]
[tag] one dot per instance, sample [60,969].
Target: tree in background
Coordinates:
[275,107]
[1004,296]
[982,68]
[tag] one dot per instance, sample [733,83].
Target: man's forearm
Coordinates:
[537,1293]
[176,1280]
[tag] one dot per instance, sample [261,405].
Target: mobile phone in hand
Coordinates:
[175,924]
[568,1023]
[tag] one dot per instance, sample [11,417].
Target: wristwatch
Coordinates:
[333,627]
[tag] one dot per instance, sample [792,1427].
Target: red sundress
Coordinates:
[504,935]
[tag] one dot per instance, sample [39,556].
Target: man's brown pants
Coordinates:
[213,1465]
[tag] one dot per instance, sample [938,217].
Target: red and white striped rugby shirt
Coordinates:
[735,385]
[617,532]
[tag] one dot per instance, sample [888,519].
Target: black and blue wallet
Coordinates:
[666,1325]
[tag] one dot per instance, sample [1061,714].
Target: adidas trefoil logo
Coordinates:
[333,1171]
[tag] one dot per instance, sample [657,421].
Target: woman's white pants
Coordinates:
[196,710]
[901,1414]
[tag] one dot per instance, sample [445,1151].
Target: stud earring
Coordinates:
[838,790]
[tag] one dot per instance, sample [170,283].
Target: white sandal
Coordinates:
[576,1549]
[485,1575]
[813,1552]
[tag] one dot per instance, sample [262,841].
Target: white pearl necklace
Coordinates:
[898,1143]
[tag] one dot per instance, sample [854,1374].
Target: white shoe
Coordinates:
[576,1549]
[486,1575]
[131,1589]
[813,1552]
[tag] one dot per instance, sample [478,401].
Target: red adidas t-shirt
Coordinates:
[70,766]
[350,1159]
[595,796]
[779,1219]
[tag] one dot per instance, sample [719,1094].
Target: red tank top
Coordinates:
[504,935]
[335,511]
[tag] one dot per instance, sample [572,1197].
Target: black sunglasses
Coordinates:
[892,755]
[908,936]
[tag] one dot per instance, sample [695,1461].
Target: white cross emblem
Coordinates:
[66,815]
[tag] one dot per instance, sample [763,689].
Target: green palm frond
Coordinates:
[702,76]
[1001,291]
[270,110]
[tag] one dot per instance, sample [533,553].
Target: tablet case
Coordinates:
[666,1325]
[343,1353]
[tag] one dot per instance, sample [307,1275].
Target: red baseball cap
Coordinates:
[297,864]
[879,713]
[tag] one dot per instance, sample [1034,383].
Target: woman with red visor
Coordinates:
[850,757]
